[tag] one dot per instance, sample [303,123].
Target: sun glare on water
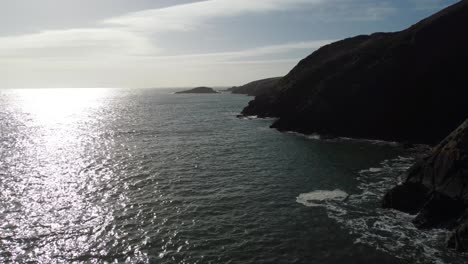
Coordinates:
[53,137]
[52,106]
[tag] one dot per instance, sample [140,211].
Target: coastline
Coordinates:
[404,86]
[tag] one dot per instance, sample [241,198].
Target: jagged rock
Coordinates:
[445,170]
[444,173]
[259,105]
[408,198]
[403,86]
[440,211]
[458,240]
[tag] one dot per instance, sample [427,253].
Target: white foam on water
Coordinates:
[254,117]
[315,198]
[388,231]
[316,136]
[371,170]
[371,141]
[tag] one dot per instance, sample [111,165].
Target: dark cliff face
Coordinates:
[436,189]
[256,88]
[403,86]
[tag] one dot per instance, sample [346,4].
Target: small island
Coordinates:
[199,90]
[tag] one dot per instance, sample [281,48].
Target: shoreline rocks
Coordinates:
[436,189]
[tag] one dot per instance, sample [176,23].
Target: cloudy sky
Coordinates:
[179,43]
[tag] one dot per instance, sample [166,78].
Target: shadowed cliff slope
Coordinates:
[404,86]
[256,88]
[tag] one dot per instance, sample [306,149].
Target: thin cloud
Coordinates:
[76,43]
[246,54]
[354,11]
[125,49]
[236,67]
[429,4]
[190,16]
[133,34]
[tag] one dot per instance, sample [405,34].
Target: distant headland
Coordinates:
[256,88]
[199,90]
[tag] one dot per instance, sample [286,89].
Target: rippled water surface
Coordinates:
[146,176]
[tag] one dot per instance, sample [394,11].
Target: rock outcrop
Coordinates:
[256,88]
[199,90]
[436,189]
[403,86]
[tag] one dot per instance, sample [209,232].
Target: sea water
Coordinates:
[148,176]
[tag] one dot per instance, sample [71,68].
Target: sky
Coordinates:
[180,43]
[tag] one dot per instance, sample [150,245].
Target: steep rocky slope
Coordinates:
[256,88]
[436,189]
[404,86]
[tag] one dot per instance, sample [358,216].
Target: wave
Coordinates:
[254,117]
[316,136]
[386,230]
[371,141]
[315,198]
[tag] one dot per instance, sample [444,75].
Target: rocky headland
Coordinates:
[199,90]
[256,88]
[408,86]
[402,86]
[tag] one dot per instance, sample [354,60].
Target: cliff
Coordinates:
[436,189]
[403,86]
[256,88]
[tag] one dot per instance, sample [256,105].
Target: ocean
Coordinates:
[148,176]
